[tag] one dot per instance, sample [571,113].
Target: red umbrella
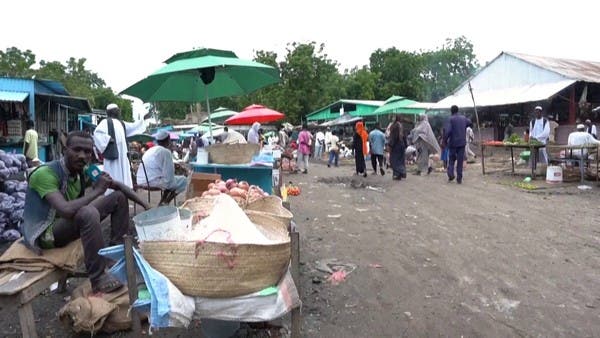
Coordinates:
[255,113]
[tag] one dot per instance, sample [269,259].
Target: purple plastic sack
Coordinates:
[7,204]
[10,186]
[21,186]
[7,159]
[11,235]
[16,216]
[19,196]
[4,173]
[19,204]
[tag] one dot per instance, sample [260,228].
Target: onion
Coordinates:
[244,185]
[211,185]
[238,192]
[223,189]
[230,183]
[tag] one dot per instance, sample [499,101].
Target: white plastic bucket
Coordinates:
[202,156]
[554,174]
[160,223]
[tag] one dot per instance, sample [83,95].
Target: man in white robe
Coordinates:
[119,168]
[539,129]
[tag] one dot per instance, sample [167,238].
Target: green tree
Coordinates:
[16,63]
[73,74]
[173,110]
[310,80]
[360,83]
[398,73]
[104,96]
[270,96]
[447,67]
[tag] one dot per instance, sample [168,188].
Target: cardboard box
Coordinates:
[199,183]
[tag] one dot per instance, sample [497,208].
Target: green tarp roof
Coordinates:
[400,105]
[353,107]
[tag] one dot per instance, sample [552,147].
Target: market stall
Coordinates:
[230,254]
[532,148]
[46,103]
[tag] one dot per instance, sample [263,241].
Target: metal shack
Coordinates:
[47,103]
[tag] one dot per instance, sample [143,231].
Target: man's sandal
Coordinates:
[106,284]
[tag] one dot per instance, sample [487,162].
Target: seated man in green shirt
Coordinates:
[58,212]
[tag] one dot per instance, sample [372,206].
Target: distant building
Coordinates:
[510,86]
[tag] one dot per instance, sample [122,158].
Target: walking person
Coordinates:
[397,145]
[470,138]
[426,144]
[359,143]
[455,138]
[328,134]
[334,150]
[377,147]
[319,145]
[304,141]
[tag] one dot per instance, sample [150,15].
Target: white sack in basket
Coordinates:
[228,223]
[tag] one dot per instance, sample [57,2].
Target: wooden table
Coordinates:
[533,149]
[589,149]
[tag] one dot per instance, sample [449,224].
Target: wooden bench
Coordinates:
[21,288]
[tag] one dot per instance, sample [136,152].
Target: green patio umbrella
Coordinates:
[203,74]
[220,115]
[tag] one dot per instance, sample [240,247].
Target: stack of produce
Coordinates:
[11,164]
[241,192]
[12,195]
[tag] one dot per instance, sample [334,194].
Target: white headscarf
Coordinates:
[423,131]
[253,136]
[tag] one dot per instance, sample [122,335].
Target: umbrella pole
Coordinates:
[208,110]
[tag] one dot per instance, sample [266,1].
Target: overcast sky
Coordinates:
[126,40]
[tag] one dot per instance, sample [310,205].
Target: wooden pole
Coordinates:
[296,315]
[476,114]
[132,285]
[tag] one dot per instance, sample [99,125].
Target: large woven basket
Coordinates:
[220,270]
[232,153]
[272,206]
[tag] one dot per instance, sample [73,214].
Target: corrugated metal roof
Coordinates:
[503,96]
[50,87]
[13,96]
[76,103]
[575,69]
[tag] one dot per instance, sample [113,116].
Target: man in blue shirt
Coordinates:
[455,139]
[377,146]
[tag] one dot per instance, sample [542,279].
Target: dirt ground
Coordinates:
[432,258]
